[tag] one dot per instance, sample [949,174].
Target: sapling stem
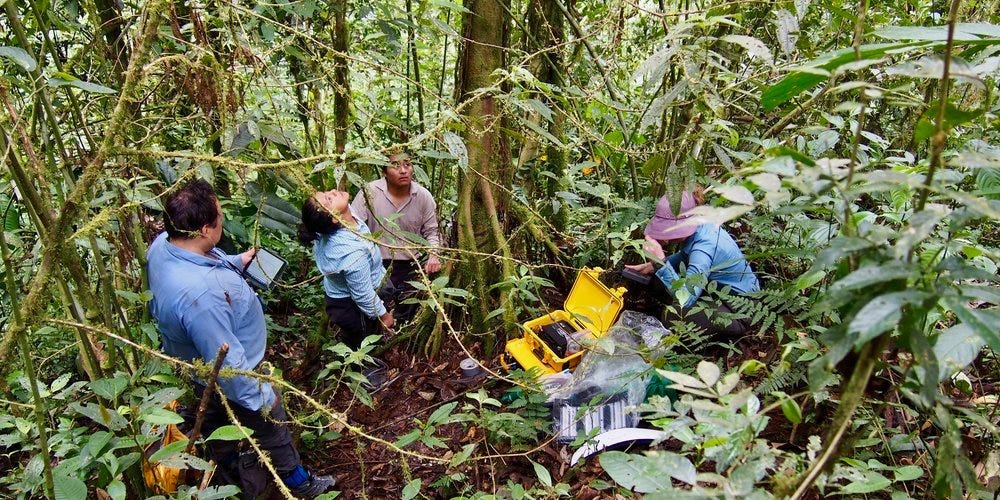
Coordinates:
[41,414]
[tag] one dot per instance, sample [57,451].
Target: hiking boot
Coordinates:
[314,486]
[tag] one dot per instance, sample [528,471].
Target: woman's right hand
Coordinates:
[388,322]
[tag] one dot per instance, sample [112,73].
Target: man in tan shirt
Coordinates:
[403,216]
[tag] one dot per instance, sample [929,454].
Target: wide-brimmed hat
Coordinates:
[666,226]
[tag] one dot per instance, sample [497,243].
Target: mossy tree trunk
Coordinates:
[341,80]
[483,185]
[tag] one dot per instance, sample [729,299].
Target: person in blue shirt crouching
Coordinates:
[200,301]
[706,250]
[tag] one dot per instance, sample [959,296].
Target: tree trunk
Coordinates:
[482,186]
[342,83]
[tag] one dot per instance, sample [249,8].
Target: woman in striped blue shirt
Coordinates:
[351,264]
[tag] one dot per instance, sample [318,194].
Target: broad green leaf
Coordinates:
[69,488]
[787,26]
[727,383]
[709,372]
[809,279]
[280,210]
[880,314]
[542,132]
[682,379]
[955,348]
[802,79]
[982,321]
[539,107]
[751,367]
[753,46]
[872,482]
[109,388]
[185,461]
[229,433]
[219,492]
[449,5]
[920,226]
[276,134]
[97,442]
[766,181]
[735,194]
[460,457]
[60,382]
[908,473]
[542,473]
[161,397]
[161,416]
[64,79]
[172,449]
[718,215]
[19,56]
[412,489]
[963,32]
[871,275]
[98,413]
[116,490]
[791,410]
[953,117]
[933,67]
[633,472]
[12,218]
[654,65]
[654,164]
[274,225]
[408,438]
[440,415]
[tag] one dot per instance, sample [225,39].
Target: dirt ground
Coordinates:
[415,387]
[366,468]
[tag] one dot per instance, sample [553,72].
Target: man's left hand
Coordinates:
[247,256]
[433,265]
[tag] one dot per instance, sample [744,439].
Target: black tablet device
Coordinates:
[264,269]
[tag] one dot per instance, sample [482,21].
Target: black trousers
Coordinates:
[354,324]
[238,462]
[401,272]
[713,314]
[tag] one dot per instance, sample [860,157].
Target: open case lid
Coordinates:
[593,304]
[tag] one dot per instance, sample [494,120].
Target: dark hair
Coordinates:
[397,151]
[190,208]
[316,221]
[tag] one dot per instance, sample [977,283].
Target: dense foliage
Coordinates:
[852,149]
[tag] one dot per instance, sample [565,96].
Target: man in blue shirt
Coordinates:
[707,253]
[200,301]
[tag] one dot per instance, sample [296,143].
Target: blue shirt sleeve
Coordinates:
[210,322]
[359,282]
[699,262]
[675,260]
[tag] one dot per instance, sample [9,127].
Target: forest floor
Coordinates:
[414,388]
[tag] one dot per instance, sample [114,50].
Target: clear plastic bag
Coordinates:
[610,380]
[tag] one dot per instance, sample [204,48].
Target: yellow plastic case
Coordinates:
[589,304]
